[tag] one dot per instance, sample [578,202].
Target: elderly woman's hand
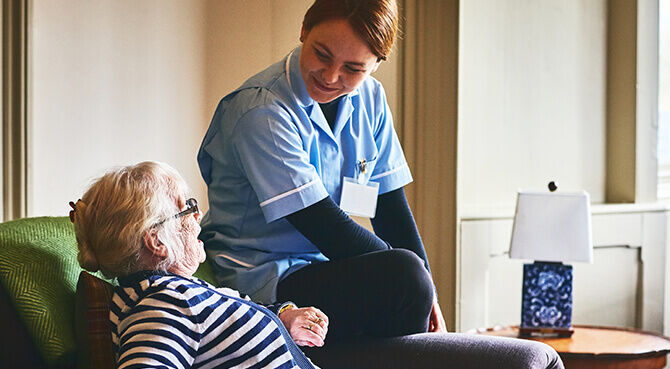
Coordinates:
[307,326]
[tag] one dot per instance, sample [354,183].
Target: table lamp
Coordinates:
[550,228]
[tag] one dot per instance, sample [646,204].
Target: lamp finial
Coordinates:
[552,186]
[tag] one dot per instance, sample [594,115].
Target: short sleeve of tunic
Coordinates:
[390,170]
[268,148]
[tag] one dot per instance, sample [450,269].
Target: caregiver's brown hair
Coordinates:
[375,21]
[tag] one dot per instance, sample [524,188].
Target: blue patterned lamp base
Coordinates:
[546,306]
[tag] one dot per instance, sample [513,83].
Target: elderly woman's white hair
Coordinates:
[119,208]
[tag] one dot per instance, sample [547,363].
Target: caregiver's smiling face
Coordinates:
[334,60]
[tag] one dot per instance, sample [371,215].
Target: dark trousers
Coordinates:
[384,293]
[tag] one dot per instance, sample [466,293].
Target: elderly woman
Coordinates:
[137,223]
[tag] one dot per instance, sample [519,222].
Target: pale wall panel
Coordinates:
[2,150]
[118,82]
[607,291]
[112,83]
[532,78]
[244,37]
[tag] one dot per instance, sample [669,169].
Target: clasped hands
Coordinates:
[307,326]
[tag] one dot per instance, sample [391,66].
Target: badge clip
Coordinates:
[363,165]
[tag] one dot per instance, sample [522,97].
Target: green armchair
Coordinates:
[38,283]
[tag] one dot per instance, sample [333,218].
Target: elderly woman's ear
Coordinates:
[153,246]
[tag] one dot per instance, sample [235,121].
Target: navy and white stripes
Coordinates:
[162,320]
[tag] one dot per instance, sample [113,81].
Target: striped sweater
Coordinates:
[162,320]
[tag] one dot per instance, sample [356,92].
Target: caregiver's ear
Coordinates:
[374,69]
[303,33]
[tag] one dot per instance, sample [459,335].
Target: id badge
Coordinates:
[359,199]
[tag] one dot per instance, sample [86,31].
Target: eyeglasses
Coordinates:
[191,208]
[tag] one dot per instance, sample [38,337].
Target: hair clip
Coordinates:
[74,208]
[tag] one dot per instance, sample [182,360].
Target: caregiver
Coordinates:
[294,150]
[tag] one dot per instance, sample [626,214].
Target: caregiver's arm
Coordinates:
[395,224]
[337,236]
[333,232]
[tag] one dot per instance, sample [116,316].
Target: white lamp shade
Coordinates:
[553,227]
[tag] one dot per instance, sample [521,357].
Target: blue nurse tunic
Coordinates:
[270,152]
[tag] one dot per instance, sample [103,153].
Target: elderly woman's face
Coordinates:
[333,60]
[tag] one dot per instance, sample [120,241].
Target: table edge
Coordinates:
[605,355]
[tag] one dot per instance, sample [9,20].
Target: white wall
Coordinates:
[2,150]
[118,82]
[532,83]
[244,37]
[112,83]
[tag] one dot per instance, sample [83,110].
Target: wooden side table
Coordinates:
[602,347]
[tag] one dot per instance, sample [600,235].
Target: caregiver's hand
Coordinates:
[436,323]
[307,326]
